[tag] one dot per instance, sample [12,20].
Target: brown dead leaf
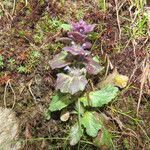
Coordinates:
[115,79]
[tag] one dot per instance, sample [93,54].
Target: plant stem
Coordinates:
[79,117]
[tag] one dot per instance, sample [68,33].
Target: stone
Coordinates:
[9,129]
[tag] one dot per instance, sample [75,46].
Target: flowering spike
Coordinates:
[82,27]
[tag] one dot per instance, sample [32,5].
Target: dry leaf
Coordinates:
[115,79]
[121,80]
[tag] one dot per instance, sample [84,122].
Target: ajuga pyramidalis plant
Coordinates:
[76,64]
[76,60]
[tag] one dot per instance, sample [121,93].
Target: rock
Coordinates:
[9,127]
[64,116]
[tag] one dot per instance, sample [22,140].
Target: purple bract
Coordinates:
[72,82]
[92,67]
[76,50]
[77,36]
[58,60]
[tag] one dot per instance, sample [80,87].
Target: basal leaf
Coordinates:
[59,60]
[100,97]
[59,101]
[103,96]
[75,134]
[91,123]
[103,139]
[71,83]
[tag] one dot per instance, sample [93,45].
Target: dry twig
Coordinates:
[5,11]
[118,20]
[144,78]
[30,90]
[8,83]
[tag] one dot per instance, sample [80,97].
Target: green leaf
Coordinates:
[93,36]
[59,101]
[103,139]
[75,134]
[66,27]
[100,97]
[96,58]
[91,123]
[103,96]
[85,100]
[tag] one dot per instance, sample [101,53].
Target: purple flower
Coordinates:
[82,27]
[76,50]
